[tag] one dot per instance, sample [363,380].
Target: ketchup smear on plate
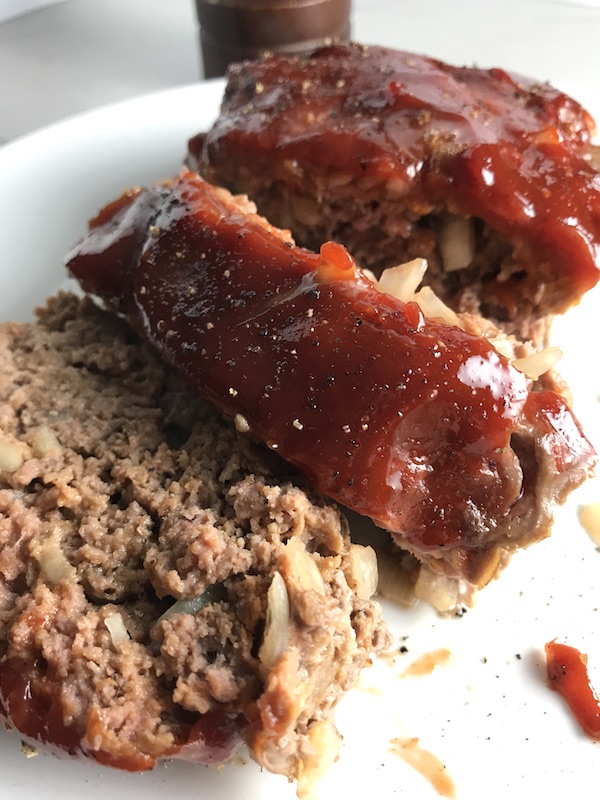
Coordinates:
[566,668]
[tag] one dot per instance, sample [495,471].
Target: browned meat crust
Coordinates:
[121,493]
[389,153]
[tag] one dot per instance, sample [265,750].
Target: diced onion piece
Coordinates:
[434,308]
[440,591]
[537,364]
[457,243]
[395,583]
[306,210]
[277,626]
[324,742]
[589,517]
[397,186]
[337,179]
[403,281]
[28,750]
[116,628]
[241,423]
[363,564]
[45,442]
[10,456]
[54,565]
[304,567]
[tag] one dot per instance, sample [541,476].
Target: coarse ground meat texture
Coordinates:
[168,587]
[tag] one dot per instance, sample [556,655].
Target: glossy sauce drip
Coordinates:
[480,143]
[405,420]
[566,668]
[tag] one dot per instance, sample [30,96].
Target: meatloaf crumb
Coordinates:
[140,538]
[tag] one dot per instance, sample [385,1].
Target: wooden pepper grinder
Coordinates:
[234,30]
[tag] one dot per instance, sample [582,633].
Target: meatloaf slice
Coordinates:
[168,587]
[395,155]
[389,403]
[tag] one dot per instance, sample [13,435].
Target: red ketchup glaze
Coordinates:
[566,668]
[35,712]
[404,420]
[480,143]
[31,703]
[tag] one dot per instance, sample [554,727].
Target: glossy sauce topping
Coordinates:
[567,674]
[481,143]
[405,420]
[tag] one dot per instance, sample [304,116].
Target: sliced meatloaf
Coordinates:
[390,403]
[396,155]
[168,587]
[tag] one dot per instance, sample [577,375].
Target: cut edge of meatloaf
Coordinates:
[381,231]
[168,587]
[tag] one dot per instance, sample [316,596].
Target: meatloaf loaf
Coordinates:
[397,156]
[168,587]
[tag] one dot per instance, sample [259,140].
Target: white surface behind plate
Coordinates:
[81,54]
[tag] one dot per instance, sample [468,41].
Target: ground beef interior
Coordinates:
[167,585]
[381,231]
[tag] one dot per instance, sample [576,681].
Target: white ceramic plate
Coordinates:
[487,713]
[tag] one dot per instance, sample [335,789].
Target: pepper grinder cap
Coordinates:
[235,30]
